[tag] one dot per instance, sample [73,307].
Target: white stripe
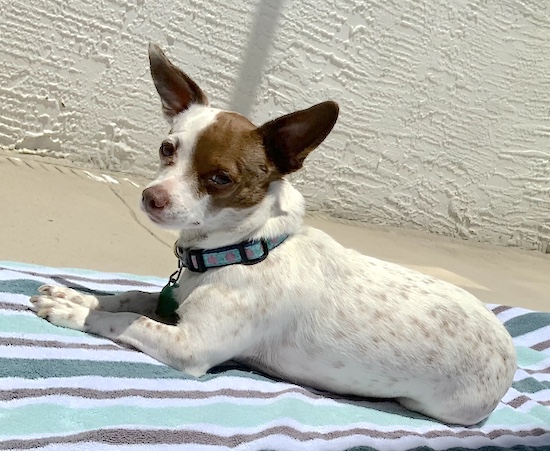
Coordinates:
[120,383]
[7,275]
[533,338]
[16,299]
[38,353]
[522,374]
[27,313]
[541,395]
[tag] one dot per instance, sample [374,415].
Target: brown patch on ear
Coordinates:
[289,139]
[176,90]
[231,164]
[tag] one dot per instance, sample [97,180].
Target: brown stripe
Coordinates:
[7,395]
[541,371]
[81,278]
[541,346]
[501,308]
[11,341]
[520,400]
[12,306]
[179,437]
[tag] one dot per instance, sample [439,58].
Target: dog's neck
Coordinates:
[280,212]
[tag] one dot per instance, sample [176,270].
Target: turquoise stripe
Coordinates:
[56,368]
[23,323]
[528,357]
[506,416]
[520,325]
[27,287]
[53,368]
[531,385]
[543,413]
[37,418]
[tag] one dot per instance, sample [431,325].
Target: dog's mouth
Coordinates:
[157,215]
[153,218]
[164,219]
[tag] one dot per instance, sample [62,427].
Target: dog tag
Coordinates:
[167,304]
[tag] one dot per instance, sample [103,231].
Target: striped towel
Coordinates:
[65,390]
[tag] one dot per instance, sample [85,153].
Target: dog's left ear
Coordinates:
[176,89]
[289,139]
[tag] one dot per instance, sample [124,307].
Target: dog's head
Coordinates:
[214,160]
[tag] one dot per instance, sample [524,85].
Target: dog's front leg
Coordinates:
[171,345]
[132,301]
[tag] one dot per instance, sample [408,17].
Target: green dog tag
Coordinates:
[167,304]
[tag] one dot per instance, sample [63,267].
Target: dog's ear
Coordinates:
[176,90]
[289,139]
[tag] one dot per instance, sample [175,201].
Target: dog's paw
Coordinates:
[69,294]
[61,312]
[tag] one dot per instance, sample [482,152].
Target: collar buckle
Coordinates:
[245,260]
[193,260]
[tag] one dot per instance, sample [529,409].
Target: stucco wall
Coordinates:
[445,105]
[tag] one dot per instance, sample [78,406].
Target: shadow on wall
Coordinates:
[261,37]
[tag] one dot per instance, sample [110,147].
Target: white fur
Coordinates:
[313,312]
[187,208]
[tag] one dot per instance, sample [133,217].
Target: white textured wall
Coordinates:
[445,104]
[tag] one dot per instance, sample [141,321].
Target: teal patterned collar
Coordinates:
[244,253]
[200,260]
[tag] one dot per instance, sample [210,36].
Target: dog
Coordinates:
[257,286]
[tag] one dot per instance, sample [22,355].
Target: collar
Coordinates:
[244,253]
[199,260]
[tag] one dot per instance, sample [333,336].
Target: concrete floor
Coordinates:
[63,216]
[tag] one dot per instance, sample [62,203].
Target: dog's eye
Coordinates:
[167,149]
[221,178]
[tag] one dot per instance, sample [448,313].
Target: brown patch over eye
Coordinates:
[231,164]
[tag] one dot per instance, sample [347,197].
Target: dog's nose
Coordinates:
[155,198]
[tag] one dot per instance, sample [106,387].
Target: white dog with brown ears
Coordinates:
[261,288]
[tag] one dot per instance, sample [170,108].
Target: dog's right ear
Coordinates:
[289,139]
[176,90]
